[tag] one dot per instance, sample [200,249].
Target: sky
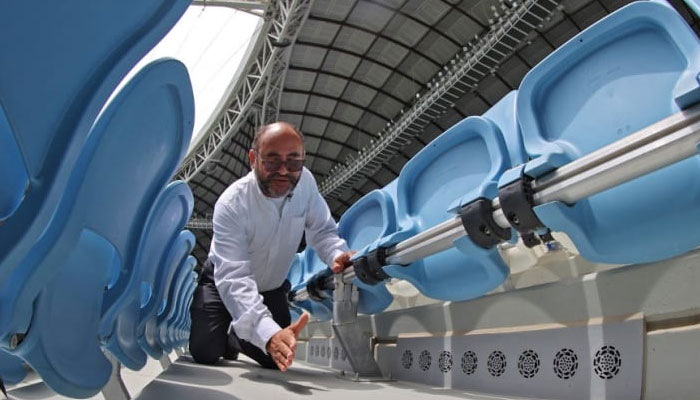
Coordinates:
[211,42]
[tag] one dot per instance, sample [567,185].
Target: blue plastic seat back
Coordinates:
[177,331]
[504,115]
[170,265]
[11,368]
[13,173]
[297,271]
[53,83]
[134,148]
[174,302]
[459,166]
[625,72]
[185,321]
[304,266]
[368,220]
[165,222]
[62,344]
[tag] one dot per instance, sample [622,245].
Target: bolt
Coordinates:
[16,340]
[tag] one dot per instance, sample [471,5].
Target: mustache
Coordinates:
[278,176]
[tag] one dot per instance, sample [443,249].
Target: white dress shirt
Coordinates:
[254,244]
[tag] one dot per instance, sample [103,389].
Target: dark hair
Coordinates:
[263,129]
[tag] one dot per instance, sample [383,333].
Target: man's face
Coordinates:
[280,152]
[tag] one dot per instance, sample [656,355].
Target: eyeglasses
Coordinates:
[293,165]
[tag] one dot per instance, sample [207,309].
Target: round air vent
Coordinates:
[565,363]
[424,360]
[407,359]
[528,364]
[445,361]
[607,362]
[469,362]
[497,363]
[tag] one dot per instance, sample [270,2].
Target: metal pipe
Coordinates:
[657,146]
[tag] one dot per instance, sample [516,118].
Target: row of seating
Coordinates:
[631,69]
[93,256]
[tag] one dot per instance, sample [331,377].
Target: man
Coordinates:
[240,302]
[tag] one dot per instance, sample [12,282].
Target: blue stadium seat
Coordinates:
[459,166]
[67,70]
[504,115]
[13,173]
[170,266]
[368,220]
[134,300]
[124,306]
[179,329]
[174,305]
[625,72]
[304,266]
[11,368]
[134,148]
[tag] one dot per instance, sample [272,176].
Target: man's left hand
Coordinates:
[342,261]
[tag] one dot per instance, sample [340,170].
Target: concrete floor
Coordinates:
[244,380]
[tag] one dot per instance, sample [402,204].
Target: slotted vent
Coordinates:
[565,363]
[528,364]
[496,363]
[469,362]
[607,362]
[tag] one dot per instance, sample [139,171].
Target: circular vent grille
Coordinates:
[469,362]
[407,359]
[424,360]
[445,361]
[528,364]
[497,363]
[565,363]
[607,362]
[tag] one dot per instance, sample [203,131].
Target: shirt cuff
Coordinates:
[266,328]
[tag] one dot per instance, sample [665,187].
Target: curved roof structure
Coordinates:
[370,82]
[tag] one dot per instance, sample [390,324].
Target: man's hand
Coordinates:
[342,261]
[283,344]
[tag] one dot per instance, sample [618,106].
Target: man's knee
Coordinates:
[203,354]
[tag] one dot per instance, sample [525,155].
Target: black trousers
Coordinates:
[209,339]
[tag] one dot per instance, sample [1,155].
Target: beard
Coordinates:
[266,187]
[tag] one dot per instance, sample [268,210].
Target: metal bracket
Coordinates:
[317,288]
[355,341]
[516,200]
[369,270]
[482,229]
[165,362]
[115,389]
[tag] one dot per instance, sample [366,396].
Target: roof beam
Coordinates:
[461,75]
[259,89]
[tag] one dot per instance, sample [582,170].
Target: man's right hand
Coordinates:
[283,344]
